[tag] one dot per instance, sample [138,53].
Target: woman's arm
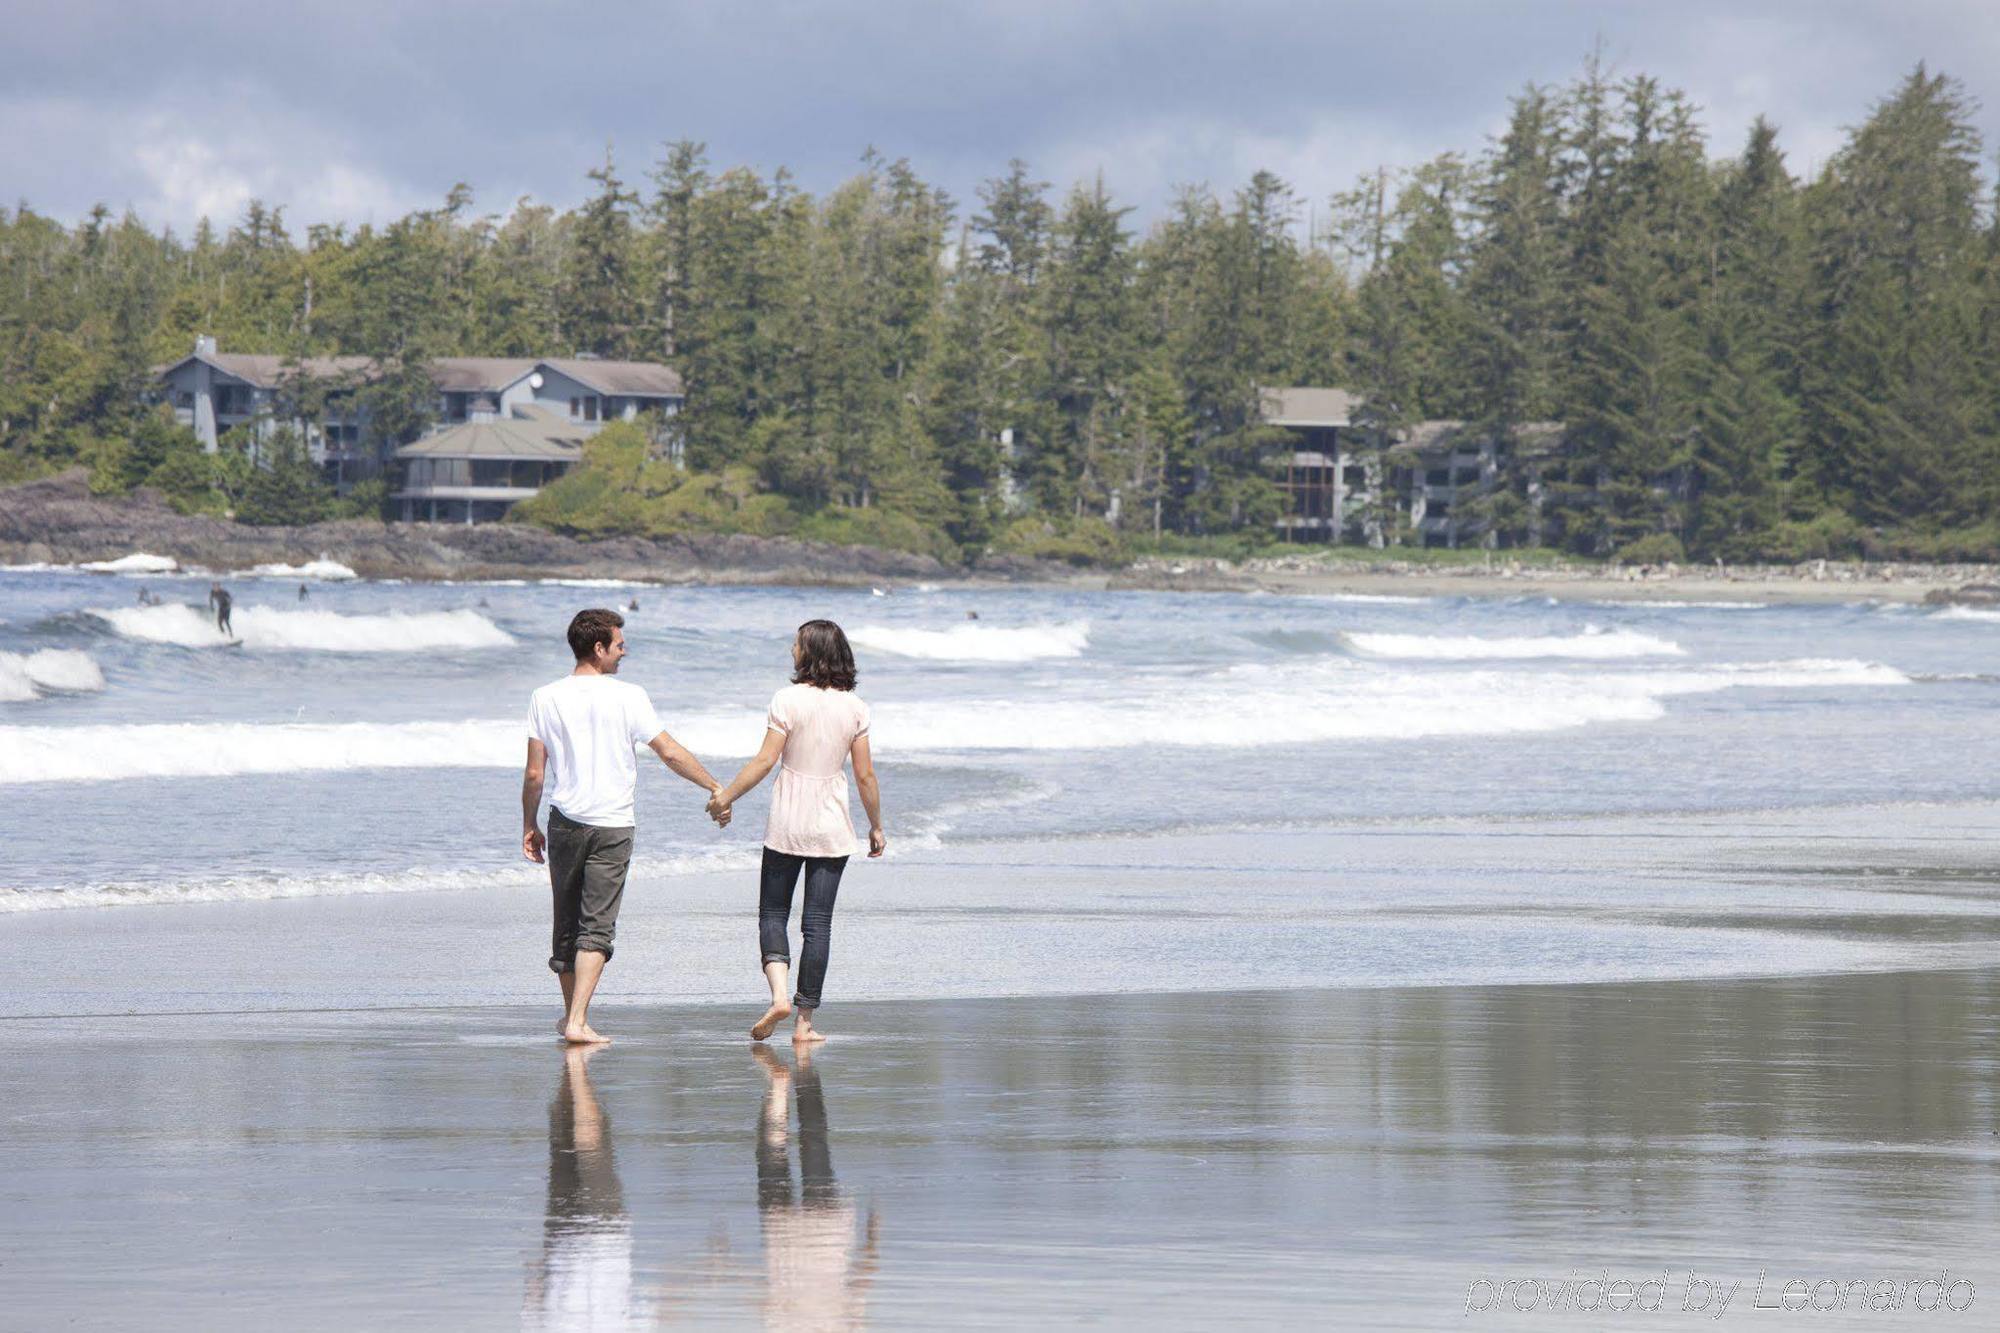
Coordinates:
[752,773]
[871,793]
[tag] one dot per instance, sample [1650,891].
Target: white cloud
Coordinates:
[186,169]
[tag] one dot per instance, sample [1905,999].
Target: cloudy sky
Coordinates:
[361,110]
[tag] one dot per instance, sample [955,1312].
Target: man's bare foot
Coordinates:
[806,1036]
[765,1026]
[584,1036]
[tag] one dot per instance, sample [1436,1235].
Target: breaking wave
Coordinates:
[262,888]
[308,631]
[1592,643]
[328,571]
[25,676]
[1967,613]
[1246,706]
[136,563]
[972,642]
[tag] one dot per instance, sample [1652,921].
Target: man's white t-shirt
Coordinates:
[591,726]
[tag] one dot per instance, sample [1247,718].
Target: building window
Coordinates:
[1438,476]
[575,409]
[590,409]
[1355,477]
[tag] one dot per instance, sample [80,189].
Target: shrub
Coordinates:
[1655,548]
[1081,541]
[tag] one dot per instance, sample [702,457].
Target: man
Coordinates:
[584,727]
[218,597]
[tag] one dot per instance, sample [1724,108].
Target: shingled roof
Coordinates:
[529,433]
[452,374]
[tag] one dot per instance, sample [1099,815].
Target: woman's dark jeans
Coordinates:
[774,912]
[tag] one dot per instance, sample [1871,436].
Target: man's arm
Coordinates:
[532,841]
[681,762]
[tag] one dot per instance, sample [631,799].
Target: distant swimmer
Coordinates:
[972,615]
[632,605]
[218,598]
[302,592]
[145,596]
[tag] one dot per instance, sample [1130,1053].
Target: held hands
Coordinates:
[532,843]
[718,809]
[878,841]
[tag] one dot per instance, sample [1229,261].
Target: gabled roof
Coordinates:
[646,379]
[530,433]
[452,374]
[1305,407]
[266,371]
[472,374]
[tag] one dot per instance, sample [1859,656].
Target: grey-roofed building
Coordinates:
[1346,482]
[1330,478]
[1442,467]
[212,392]
[476,471]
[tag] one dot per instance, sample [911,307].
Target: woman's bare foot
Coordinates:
[805,1034]
[584,1035]
[776,1014]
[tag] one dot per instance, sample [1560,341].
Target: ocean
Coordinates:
[1194,767]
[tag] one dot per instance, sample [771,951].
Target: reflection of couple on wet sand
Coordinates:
[815,1275]
[582,734]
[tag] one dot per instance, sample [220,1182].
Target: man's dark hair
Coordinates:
[825,659]
[591,628]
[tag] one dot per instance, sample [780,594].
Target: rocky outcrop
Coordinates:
[1966,594]
[58,521]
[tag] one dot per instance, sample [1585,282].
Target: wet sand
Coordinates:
[1352,1158]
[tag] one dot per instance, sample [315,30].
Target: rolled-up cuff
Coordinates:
[801,1002]
[784,958]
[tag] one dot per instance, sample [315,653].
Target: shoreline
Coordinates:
[1899,582]
[56,522]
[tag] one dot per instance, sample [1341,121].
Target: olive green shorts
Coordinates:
[587,868]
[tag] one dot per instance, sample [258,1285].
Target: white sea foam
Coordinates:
[1675,604]
[225,749]
[972,642]
[594,583]
[258,888]
[25,676]
[308,631]
[329,571]
[1967,613]
[1592,643]
[136,563]
[1246,706]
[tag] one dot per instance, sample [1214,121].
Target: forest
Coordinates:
[1750,360]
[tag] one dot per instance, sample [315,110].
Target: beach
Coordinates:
[1364,1157]
[290,1112]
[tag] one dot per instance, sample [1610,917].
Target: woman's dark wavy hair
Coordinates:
[825,659]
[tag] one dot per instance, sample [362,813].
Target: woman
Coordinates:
[815,724]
